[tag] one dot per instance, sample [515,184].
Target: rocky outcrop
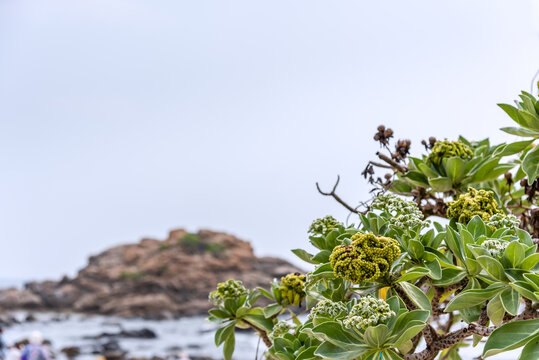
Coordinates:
[153,278]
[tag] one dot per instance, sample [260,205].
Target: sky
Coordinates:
[125,119]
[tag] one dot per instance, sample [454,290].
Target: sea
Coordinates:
[191,335]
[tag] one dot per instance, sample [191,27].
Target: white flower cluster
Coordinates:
[280,329]
[495,247]
[228,289]
[367,312]
[404,214]
[327,308]
[503,221]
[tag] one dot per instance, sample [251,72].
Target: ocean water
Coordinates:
[193,335]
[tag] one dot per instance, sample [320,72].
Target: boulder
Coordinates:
[154,279]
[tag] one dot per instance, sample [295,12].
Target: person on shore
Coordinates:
[183,356]
[3,345]
[35,350]
[14,352]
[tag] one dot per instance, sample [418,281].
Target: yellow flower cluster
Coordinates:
[474,202]
[367,258]
[447,149]
[292,288]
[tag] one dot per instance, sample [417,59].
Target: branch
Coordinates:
[262,333]
[401,168]
[438,293]
[336,197]
[478,327]
[380,165]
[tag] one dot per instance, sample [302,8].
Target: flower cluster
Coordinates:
[327,308]
[228,289]
[367,258]
[446,149]
[367,312]
[474,202]
[292,288]
[280,329]
[323,225]
[495,247]
[404,214]
[499,220]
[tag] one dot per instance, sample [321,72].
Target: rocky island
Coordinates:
[155,279]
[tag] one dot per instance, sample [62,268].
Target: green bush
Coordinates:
[380,287]
[194,243]
[132,275]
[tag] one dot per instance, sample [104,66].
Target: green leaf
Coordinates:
[260,321]
[416,249]
[510,300]
[525,290]
[455,169]
[530,164]
[450,276]
[513,113]
[511,336]
[514,252]
[416,178]
[531,350]
[322,256]
[477,227]
[413,274]
[493,267]
[530,262]
[389,354]
[483,171]
[228,348]
[441,184]
[495,310]
[416,295]
[224,333]
[427,170]
[513,148]
[376,336]
[435,270]
[328,350]
[521,132]
[334,332]
[304,255]
[272,310]
[221,314]
[408,325]
[469,298]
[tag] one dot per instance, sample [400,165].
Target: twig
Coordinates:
[337,197]
[401,168]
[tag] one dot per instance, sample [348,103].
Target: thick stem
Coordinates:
[262,333]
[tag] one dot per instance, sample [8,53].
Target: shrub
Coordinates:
[132,275]
[380,287]
[194,243]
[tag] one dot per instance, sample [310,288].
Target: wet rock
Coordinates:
[143,333]
[71,351]
[111,350]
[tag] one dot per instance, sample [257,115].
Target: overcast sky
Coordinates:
[125,119]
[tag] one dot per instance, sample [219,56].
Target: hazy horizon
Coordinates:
[123,120]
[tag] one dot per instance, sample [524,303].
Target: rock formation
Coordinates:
[153,278]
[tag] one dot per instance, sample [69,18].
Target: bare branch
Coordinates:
[337,197]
